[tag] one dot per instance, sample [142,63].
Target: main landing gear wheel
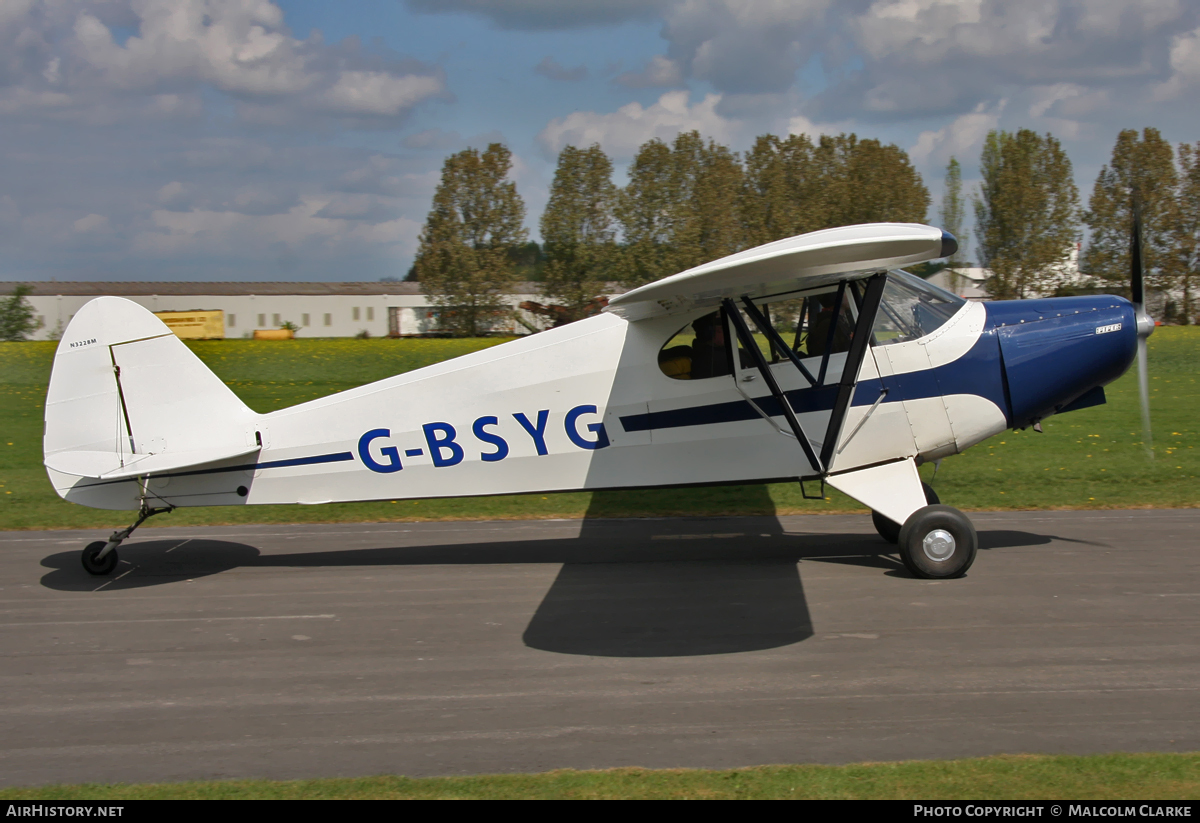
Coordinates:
[938,542]
[889,529]
[103,565]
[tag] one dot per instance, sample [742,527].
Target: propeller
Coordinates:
[1145,323]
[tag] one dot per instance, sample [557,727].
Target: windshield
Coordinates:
[911,309]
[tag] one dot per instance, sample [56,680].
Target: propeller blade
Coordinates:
[1144,393]
[1145,324]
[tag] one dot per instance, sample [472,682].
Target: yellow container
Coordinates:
[273,334]
[195,325]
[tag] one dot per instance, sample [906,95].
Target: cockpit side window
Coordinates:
[698,350]
[911,309]
[814,324]
[824,325]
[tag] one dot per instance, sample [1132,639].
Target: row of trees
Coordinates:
[1028,217]
[691,201]
[686,203]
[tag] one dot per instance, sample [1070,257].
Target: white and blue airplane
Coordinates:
[685,381]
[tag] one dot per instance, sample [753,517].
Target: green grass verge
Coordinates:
[1006,777]
[1091,459]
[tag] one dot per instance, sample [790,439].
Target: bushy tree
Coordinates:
[783,194]
[794,185]
[711,224]
[464,260]
[579,229]
[1026,212]
[878,184]
[680,207]
[1142,169]
[647,211]
[17,321]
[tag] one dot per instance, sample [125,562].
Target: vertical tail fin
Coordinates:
[127,397]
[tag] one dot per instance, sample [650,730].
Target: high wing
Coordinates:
[805,261]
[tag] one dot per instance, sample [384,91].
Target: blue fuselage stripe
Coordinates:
[338,457]
[977,372]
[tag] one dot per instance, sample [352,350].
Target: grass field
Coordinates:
[1087,459]
[1099,777]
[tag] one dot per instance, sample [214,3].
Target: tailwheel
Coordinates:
[94,564]
[889,529]
[938,542]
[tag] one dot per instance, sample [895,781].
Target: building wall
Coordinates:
[328,315]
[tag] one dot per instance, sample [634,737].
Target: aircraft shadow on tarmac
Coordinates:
[709,587]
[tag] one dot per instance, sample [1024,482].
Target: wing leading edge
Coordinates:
[799,262]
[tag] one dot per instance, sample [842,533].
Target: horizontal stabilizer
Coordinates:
[107,465]
[806,261]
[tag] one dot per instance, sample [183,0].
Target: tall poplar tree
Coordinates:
[953,211]
[1187,231]
[1143,170]
[579,230]
[952,214]
[464,262]
[1026,212]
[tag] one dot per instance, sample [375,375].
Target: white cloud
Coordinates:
[172,194]
[659,71]
[1047,96]
[10,212]
[1185,66]
[799,124]
[90,223]
[745,46]
[432,139]
[553,70]
[621,132]
[541,15]
[930,57]
[961,138]
[240,48]
[176,233]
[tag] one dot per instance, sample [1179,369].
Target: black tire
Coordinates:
[99,567]
[889,529]
[938,542]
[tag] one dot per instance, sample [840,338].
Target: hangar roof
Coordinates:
[141,288]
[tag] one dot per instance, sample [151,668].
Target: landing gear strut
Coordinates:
[100,558]
[889,529]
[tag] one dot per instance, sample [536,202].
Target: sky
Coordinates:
[303,140]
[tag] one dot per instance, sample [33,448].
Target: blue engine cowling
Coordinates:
[1056,350]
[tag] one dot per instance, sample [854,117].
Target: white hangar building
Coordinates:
[319,309]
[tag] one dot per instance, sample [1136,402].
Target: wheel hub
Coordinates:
[938,545]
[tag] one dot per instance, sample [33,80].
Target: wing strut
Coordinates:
[872,297]
[777,341]
[751,346]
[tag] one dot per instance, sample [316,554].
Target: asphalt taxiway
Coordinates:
[450,648]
